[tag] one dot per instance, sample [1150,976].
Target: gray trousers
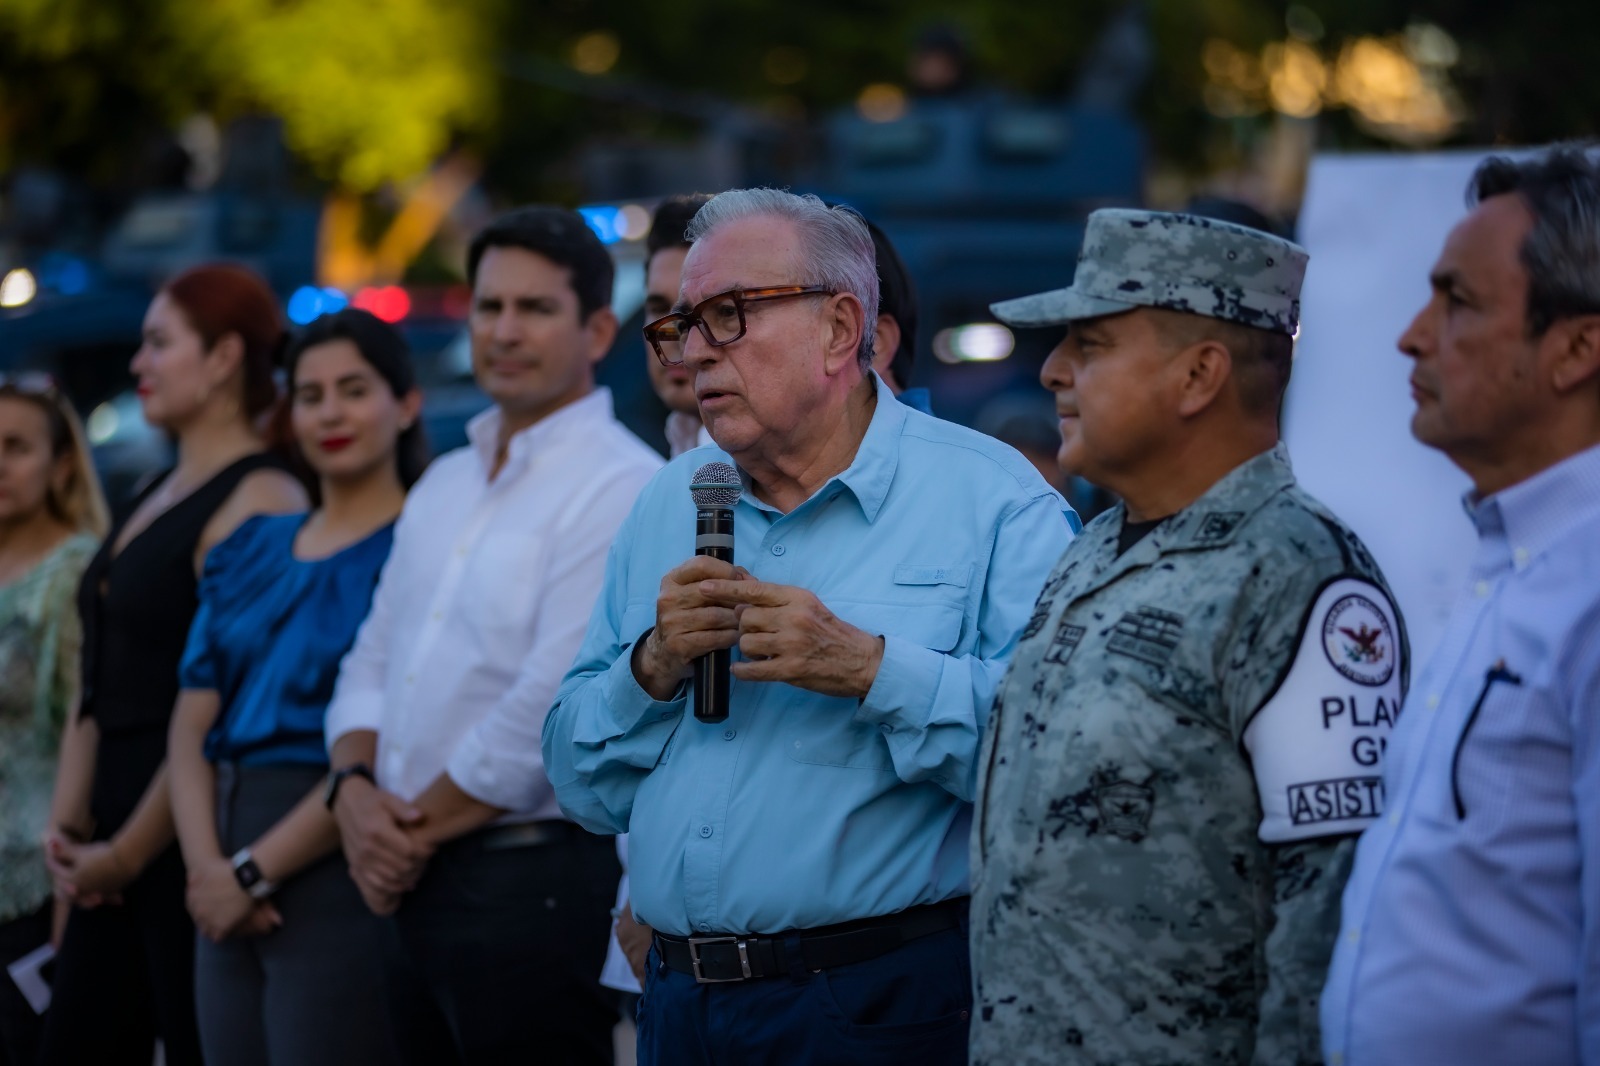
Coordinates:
[310,993]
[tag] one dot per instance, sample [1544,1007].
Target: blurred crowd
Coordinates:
[329,751]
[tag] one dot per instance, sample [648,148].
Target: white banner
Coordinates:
[1374,226]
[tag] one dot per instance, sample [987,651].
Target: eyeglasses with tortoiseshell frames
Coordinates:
[720,319]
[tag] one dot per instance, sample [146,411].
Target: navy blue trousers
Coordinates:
[911,1007]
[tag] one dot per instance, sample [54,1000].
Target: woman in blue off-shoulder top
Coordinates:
[288,964]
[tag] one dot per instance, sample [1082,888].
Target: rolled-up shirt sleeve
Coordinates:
[931,707]
[499,761]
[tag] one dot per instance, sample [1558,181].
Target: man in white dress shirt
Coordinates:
[448,821]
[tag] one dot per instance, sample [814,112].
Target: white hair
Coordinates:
[835,247]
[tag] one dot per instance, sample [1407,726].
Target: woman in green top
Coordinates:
[52,517]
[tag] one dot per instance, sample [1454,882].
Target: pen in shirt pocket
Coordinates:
[1495,673]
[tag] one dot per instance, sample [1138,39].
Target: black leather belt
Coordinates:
[714,958]
[526,834]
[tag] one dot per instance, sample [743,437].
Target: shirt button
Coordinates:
[1337,1058]
[705,830]
[411,679]
[705,927]
[461,551]
[1355,935]
[438,615]
[729,734]
[1521,556]
[1481,588]
[886,728]
[665,715]
[1394,817]
[778,549]
[1433,701]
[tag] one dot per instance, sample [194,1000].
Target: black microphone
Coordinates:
[715,488]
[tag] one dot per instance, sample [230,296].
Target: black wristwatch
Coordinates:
[248,874]
[330,791]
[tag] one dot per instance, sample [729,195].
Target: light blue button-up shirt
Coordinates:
[803,810]
[1471,927]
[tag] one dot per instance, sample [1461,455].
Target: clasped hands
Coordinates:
[93,874]
[221,908]
[386,854]
[86,874]
[784,633]
[380,835]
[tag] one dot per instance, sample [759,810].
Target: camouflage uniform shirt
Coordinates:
[1177,762]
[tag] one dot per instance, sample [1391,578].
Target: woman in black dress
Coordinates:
[125,969]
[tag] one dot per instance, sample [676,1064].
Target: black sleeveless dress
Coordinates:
[136,607]
[125,973]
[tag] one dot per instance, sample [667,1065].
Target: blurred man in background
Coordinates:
[665,249]
[894,342]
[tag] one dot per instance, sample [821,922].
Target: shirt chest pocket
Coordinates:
[1511,757]
[927,613]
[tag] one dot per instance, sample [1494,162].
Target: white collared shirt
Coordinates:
[484,601]
[685,433]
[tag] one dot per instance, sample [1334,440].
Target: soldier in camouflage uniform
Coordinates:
[1190,735]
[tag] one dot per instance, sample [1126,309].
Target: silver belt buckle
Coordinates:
[695,943]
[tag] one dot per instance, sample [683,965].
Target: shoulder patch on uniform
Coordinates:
[1317,745]
[1360,640]
[1216,526]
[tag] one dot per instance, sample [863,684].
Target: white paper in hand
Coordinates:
[26,973]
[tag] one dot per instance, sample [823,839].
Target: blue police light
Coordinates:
[309,303]
[72,278]
[63,274]
[305,305]
[608,223]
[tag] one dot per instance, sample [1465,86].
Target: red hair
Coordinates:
[221,298]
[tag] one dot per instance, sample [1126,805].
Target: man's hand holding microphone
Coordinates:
[708,605]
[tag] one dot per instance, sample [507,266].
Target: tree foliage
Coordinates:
[369,90]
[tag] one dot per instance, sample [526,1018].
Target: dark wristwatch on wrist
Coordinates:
[330,791]
[248,874]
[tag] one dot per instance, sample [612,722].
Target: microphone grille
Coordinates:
[715,485]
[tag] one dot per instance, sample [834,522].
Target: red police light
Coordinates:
[388,302]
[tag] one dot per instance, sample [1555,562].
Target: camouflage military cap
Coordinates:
[1187,263]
